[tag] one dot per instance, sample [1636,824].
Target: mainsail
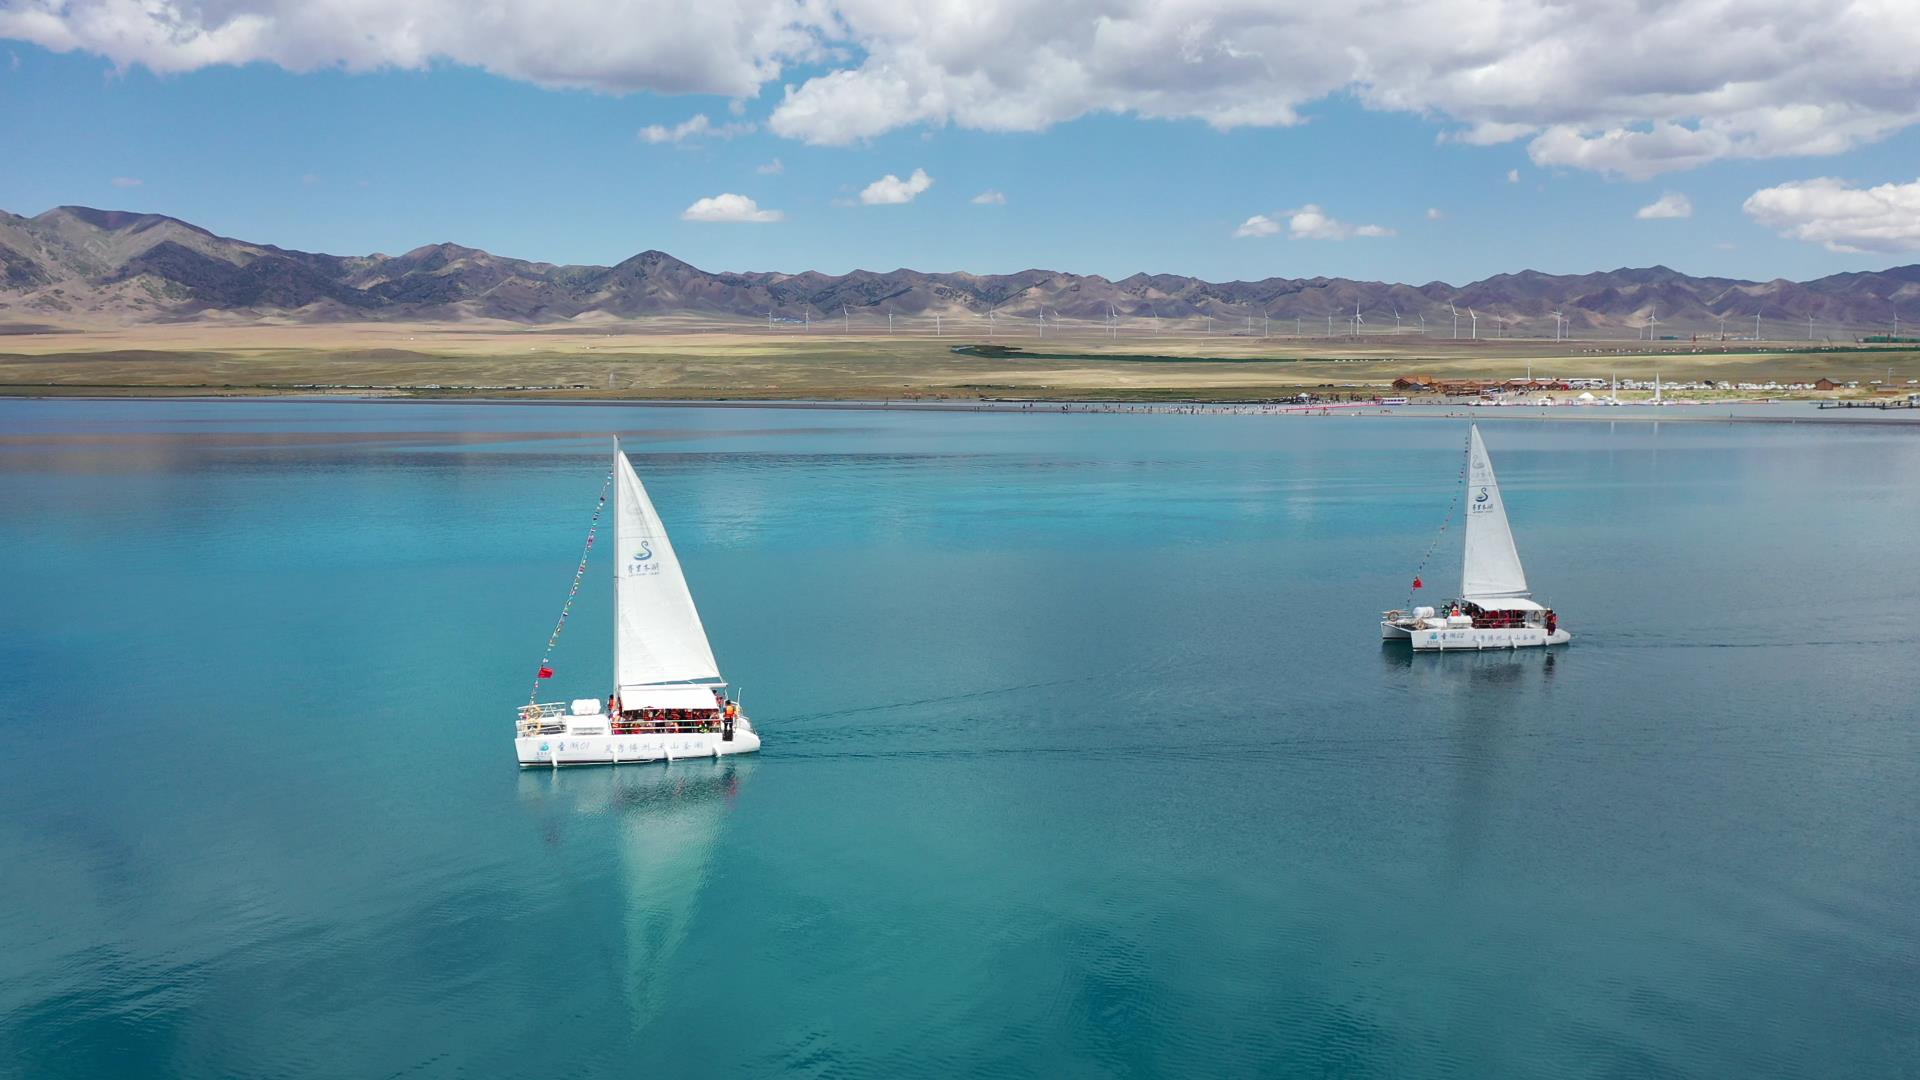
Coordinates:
[1491,566]
[657,636]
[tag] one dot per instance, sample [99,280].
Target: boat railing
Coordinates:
[543,718]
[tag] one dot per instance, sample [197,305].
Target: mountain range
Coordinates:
[75,264]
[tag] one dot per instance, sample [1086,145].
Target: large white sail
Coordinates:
[1491,565]
[657,636]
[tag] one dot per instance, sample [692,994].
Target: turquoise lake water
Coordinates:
[1083,757]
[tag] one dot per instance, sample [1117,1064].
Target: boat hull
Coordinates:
[1473,640]
[554,751]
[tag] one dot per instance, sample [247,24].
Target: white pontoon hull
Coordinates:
[1518,637]
[552,751]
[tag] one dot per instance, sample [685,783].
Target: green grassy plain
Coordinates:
[667,358]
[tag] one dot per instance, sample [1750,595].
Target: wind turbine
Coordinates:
[1456,319]
[1043,323]
[889,320]
[1296,326]
[1396,317]
[1756,326]
[1423,323]
[1723,328]
[1475,324]
[769,316]
[1653,320]
[1809,326]
[1559,322]
[1357,320]
[1329,324]
[846,323]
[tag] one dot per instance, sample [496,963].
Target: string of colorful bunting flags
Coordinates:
[1466,450]
[545,670]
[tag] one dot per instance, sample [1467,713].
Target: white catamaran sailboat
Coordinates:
[669,700]
[1494,610]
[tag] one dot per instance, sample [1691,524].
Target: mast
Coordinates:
[1490,563]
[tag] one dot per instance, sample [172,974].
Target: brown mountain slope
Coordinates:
[78,264]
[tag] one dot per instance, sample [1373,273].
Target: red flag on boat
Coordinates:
[546,673]
[1416,583]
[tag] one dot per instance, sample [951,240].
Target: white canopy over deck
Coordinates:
[1503,603]
[676,696]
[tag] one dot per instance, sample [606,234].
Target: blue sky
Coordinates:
[387,159]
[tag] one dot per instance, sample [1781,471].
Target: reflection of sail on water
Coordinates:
[664,856]
[1490,565]
[665,827]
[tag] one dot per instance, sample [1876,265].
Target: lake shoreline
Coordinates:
[1629,412]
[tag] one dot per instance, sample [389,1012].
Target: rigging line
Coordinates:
[1466,451]
[579,572]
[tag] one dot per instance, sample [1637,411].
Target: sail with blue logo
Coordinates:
[658,637]
[1490,567]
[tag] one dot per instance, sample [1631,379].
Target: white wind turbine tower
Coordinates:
[846,322]
[1723,327]
[1043,322]
[889,320]
[1456,319]
[1474,322]
[769,316]
[1653,321]
[1396,318]
[1296,326]
[1756,326]
[1809,326]
[1559,321]
[1423,323]
[1357,320]
[1329,324]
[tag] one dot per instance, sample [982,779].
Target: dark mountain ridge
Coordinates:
[81,263]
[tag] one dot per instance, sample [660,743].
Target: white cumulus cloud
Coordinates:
[989,197]
[1671,205]
[1840,216]
[1513,176]
[729,208]
[1623,88]
[1256,226]
[1309,222]
[890,190]
[696,127]
[771,168]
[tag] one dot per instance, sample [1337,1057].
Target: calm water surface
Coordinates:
[1083,757]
